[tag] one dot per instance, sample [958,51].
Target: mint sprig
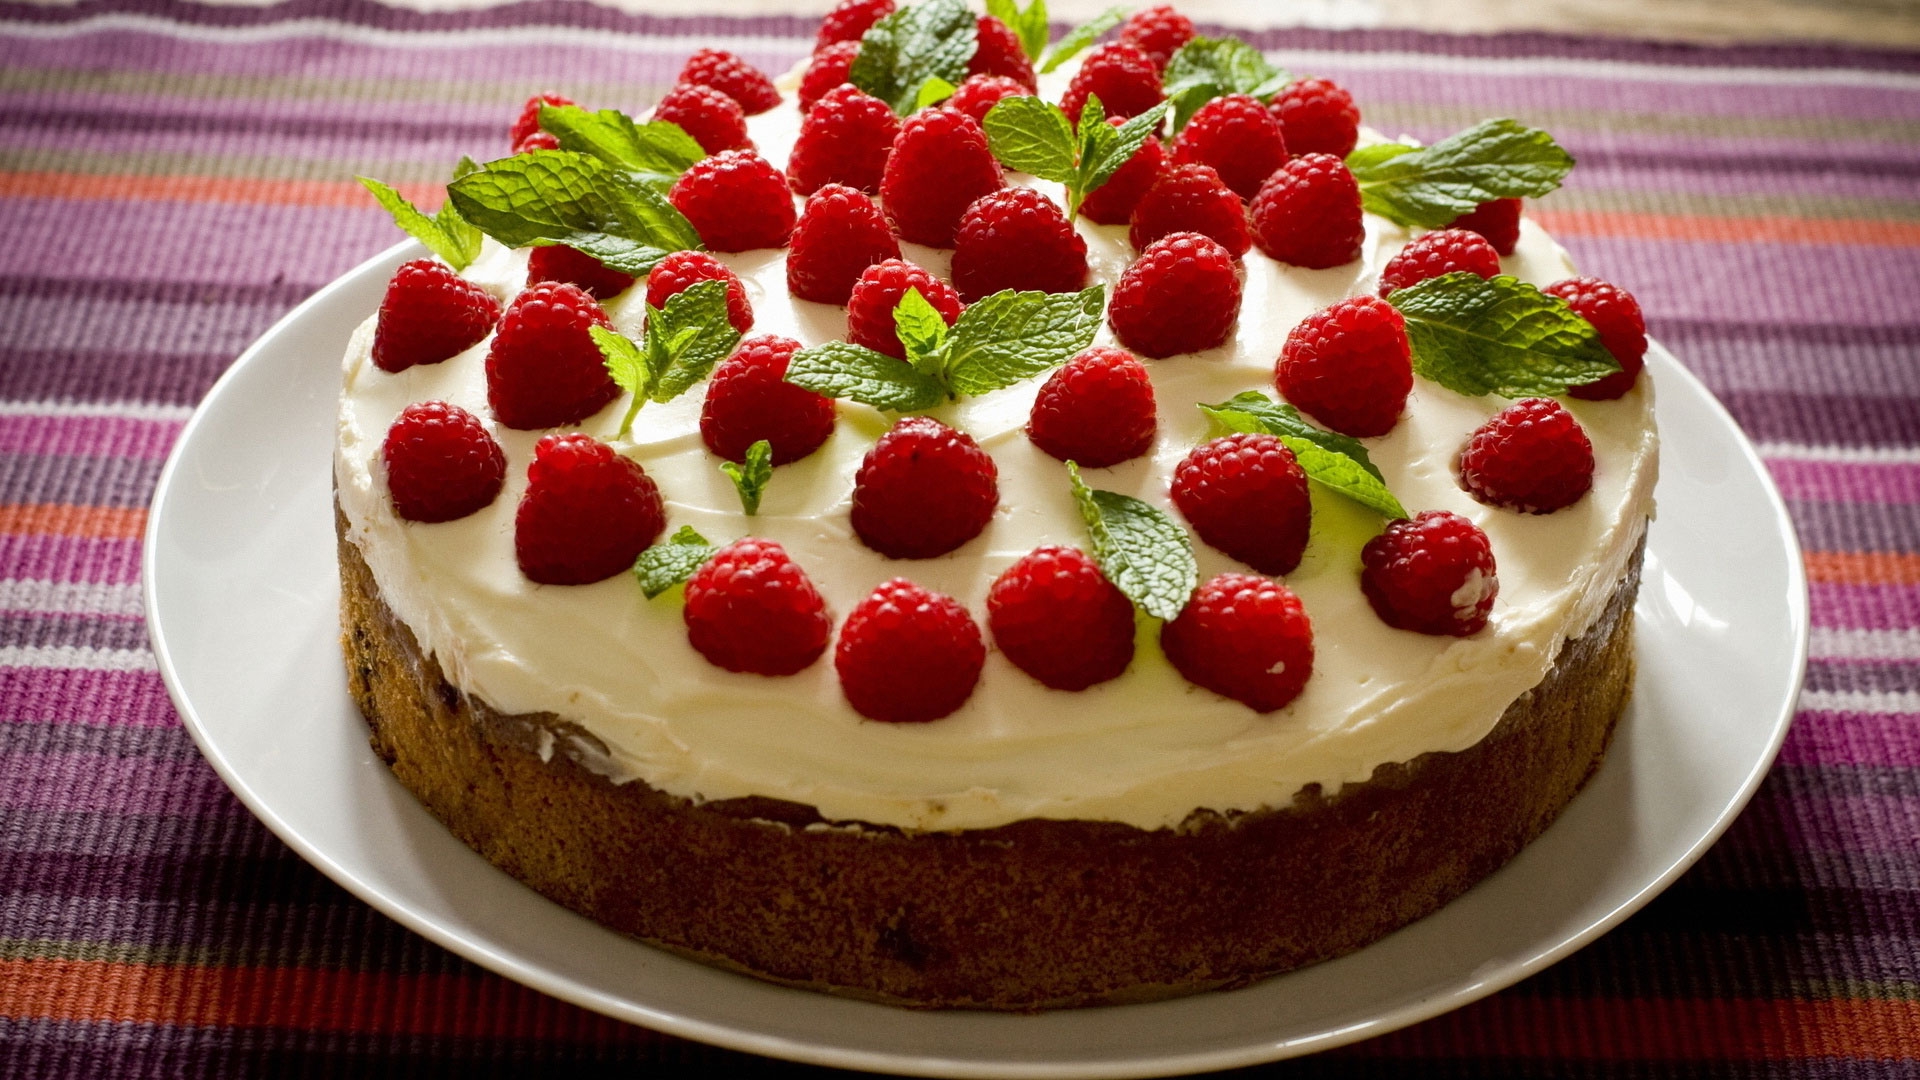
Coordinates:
[1080,37]
[682,343]
[1029,24]
[1501,336]
[1206,68]
[1000,340]
[933,39]
[564,197]
[445,233]
[750,477]
[1336,462]
[1144,552]
[672,561]
[1430,186]
[1035,137]
[655,153]
[932,92]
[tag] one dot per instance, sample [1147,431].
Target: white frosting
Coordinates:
[1147,748]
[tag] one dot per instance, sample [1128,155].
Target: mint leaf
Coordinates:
[1207,68]
[1429,187]
[656,152]
[563,197]
[1028,24]
[446,233]
[687,337]
[628,368]
[1503,336]
[1105,148]
[1145,553]
[920,326]
[1032,136]
[932,92]
[1329,458]
[929,40]
[1011,336]
[750,478]
[840,369]
[672,561]
[1080,37]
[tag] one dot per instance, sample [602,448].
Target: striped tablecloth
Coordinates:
[175,176]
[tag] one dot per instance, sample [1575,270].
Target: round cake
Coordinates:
[1034,847]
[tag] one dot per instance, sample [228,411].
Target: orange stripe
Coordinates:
[1777,229]
[65,519]
[219,189]
[1863,568]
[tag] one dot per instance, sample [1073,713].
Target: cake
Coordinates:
[1033,848]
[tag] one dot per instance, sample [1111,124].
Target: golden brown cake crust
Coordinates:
[1036,914]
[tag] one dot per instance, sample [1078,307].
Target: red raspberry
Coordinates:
[845,139]
[1433,575]
[841,233]
[441,463]
[528,121]
[1308,213]
[428,314]
[1317,117]
[980,93]
[715,120]
[940,164]
[1498,221]
[751,608]
[587,513]
[733,77]
[827,69]
[1056,617]
[1348,366]
[1247,496]
[749,399]
[539,140]
[1017,238]
[1243,637]
[1158,31]
[1616,314]
[1180,296]
[1433,254]
[908,655]
[736,201]
[558,262]
[850,20]
[1096,410]
[1238,137]
[1113,202]
[1191,199]
[999,52]
[878,292]
[683,268]
[1531,456]
[923,490]
[1124,78]
[543,369]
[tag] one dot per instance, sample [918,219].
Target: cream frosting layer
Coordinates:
[1146,749]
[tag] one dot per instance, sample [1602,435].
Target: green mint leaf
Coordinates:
[656,152]
[933,39]
[1502,336]
[1106,148]
[921,328]
[628,368]
[840,369]
[465,166]
[1080,37]
[672,561]
[1028,24]
[1331,459]
[1430,186]
[750,478]
[458,244]
[1145,553]
[692,333]
[1207,68]
[1011,336]
[1032,136]
[563,197]
[932,92]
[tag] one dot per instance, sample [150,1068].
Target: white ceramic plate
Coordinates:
[242,598]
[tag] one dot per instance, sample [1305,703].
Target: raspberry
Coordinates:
[1112,203]
[1498,221]
[1159,31]
[528,121]
[1017,238]
[1180,296]
[539,140]
[441,463]
[940,164]
[841,233]
[587,513]
[715,120]
[1433,254]
[428,314]
[850,20]
[683,268]
[751,608]
[844,139]
[827,69]
[1616,314]
[749,399]
[1096,410]
[1191,199]
[1308,213]
[1056,617]
[1348,366]
[908,655]
[732,76]
[1247,496]
[1317,117]
[923,490]
[1433,575]
[1238,137]
[736,201]
[1243,637]
[558,262]
[998,52]
[1531,456]
[878,292]
[1123,77]
[543,369]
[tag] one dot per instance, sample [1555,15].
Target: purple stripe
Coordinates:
[1652,178]
[106,783]
[1864,823]
[84,832]
[86,631]
[1842,481]
[430,153]
[1810,359]
[58,738]
[102,435]
[1822,737]
[69,558]
[1624,96]
[1759,283]
[87,481]
[1864,675]
[1848,526]
[477,129]
[1863,607]
[97,698]
[1854,419]
[81,375]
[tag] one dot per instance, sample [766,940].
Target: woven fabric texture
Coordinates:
[174,177]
